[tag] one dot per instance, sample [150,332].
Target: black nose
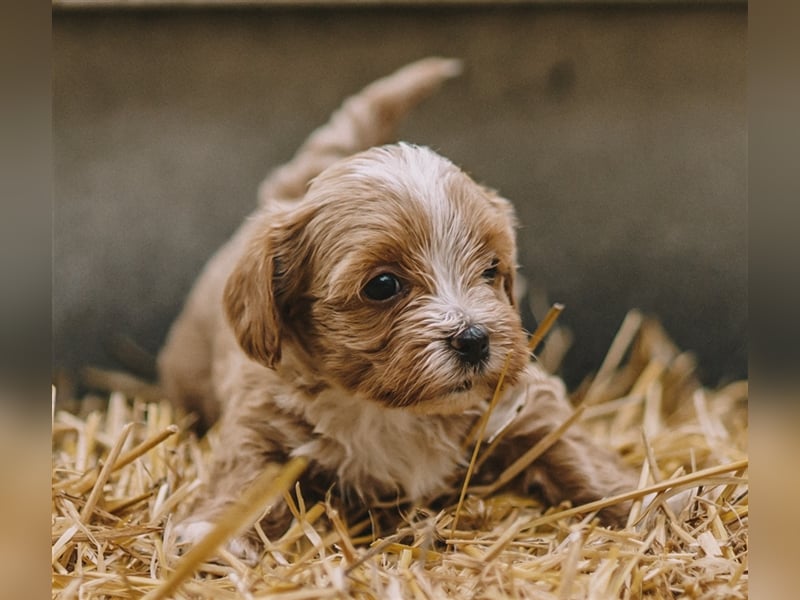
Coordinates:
[471,344]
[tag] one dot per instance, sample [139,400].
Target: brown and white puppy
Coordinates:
[363,321]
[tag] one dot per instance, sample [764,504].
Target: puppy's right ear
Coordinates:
[262,282]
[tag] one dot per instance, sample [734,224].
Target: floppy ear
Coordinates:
[505,210]
[508,286]
[266,277]
[249,301]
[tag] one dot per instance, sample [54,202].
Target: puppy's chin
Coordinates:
[456,402]
[448,398]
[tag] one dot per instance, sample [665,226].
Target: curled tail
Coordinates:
[366,119]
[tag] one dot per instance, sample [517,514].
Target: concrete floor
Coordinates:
[619,133]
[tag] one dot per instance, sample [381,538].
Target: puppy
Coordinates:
[362,317]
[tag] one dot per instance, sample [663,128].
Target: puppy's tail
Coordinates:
[366,119]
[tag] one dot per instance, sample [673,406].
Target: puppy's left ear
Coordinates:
[262,283]
[508,286]
[505,211]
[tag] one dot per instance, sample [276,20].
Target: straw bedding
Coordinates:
[124,471]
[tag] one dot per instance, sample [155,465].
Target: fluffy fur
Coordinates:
[282,339]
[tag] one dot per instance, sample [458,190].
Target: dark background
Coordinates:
[619,132]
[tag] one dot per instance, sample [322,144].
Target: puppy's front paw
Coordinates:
[190,533]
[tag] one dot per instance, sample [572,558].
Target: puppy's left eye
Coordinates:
[382,287]
[490,274]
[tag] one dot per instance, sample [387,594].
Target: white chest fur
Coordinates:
[375,450]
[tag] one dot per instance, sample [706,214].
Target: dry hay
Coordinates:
[123,474]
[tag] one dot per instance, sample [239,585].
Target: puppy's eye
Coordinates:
[490,274]
[382,287]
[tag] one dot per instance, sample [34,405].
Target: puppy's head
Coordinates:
[392,278]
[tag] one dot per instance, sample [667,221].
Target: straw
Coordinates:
[122,477]
[261,492]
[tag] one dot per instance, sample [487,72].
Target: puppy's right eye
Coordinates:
[382,287]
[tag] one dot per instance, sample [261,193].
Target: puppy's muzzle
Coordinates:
[471,345]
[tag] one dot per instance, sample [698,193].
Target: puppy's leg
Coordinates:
[185,363]
[185,372]
[239,459]
[574,468]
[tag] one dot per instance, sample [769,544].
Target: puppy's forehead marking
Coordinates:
[413,206]
[437,186]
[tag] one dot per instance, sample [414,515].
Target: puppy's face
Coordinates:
[392,278]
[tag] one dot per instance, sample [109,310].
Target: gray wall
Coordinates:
[619,133]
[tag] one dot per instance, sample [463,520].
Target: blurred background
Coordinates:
[617,129]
